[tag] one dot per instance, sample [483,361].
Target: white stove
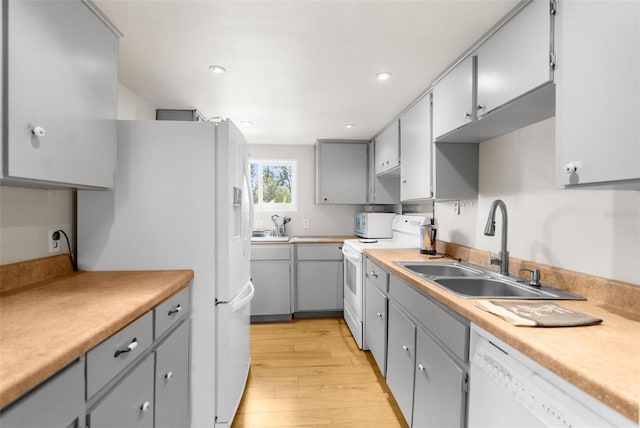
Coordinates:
[406,234]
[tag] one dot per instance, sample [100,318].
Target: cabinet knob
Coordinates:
[421,368]
[168,376]
[175,310]
[373,274]
[379,314]
[572,167]
[481,107]
[145,406]
[405,348]
[404,181]
[38,131]
[130,347]
[325,199]
[467,115]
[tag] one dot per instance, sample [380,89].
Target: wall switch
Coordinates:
[305,223]
[54,244]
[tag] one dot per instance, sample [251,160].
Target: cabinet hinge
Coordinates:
[552,60]
[465,384]
[553,5]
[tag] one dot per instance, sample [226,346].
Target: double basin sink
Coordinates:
[473,281]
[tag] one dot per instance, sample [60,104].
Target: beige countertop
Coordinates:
[602,360]
[303,240]
[46,325]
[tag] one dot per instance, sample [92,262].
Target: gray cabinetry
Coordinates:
[401,356]
[271,277]
[60,127]
[375,324]
[387,150]
[56,403]
[382,189]
[415,143]
[453,98]
[172,380]
[341,171]
[319,278]
[130,403]
[597,95]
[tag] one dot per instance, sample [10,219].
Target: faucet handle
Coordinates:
[495,261]
[534,279]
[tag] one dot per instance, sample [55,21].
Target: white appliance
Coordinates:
[373,225]
[182,200]
[508,389]
[406,234]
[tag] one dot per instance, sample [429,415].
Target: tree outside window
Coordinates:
[273,184]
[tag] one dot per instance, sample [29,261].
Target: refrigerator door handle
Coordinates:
[238,302]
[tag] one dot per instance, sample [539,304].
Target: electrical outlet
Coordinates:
[456,207]
[305,223]
[54,244]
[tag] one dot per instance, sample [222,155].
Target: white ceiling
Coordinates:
[298,70]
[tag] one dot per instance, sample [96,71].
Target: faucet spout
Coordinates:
[490,230]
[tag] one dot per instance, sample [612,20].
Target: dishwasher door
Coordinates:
[508,389]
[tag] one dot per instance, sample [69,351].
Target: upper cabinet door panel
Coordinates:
[341,172]
[387,149]
[62,63]
[453,99]
[515,59]
[415,153]
[598,92]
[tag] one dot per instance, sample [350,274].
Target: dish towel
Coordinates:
[537,314]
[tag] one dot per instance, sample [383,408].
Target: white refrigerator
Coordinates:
[182,200]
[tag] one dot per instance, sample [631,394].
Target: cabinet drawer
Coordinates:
[106,360]
[170,311]
[130,404]
[377,275]
[270,252]
[319,251]
[58,402]
[450,329]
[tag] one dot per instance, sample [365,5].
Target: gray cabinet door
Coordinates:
[172,380]
[319,285]
[453,99]
[341,172]
[272,282]
[597,102]
[72,100]
[401,359]
[415,141]
[375,324]
[439,398]
[388,149]
[130,403]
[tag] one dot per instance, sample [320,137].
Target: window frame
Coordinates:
[276,206]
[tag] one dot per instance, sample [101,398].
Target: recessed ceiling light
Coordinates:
[246,123]
[385,75]
[349,125]
[216,69]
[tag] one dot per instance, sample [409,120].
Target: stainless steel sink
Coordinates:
[473,281]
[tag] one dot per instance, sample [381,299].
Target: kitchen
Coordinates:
[591,231]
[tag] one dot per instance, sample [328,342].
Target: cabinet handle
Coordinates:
[130,347]
[145,406]
[467,115]
[421,368]
[175,310]
[405,348]
[572,167]
[373,274]
[168,376]
[340,247]
[38,131]
[379,314]
[404,181]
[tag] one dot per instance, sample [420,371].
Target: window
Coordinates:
[273,184]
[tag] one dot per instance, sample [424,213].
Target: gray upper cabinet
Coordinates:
[388,150]
[453,99]
[382,189]
[415,143]
[597,89]
[341,172]
[61,86]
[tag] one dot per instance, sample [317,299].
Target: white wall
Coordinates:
[585,230]
[131,106]
[323,219]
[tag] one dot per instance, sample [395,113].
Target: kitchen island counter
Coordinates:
[48,324]
[601,360]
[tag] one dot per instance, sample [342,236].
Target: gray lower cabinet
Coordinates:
[172,380]
[439,386]
[56,403]
[401,359]
[130,403]
[319,278]
[375,324]
[271,277]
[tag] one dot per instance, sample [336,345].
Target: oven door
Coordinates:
[353,292]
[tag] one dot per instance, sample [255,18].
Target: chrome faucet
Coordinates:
[490,230]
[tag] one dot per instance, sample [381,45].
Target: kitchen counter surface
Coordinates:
[46,325]
[303,240]
[602,360]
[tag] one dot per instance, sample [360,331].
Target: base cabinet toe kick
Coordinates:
[138,377]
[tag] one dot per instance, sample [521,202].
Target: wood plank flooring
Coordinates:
[310,373]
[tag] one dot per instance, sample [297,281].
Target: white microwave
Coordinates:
[374,225]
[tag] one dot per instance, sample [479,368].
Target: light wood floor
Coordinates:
[310,373]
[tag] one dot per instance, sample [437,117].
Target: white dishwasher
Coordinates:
[508,389]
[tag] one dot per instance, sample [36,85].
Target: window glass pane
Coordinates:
[276,184]
[254,181]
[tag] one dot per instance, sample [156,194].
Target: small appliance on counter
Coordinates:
[374,225]
[428,233]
